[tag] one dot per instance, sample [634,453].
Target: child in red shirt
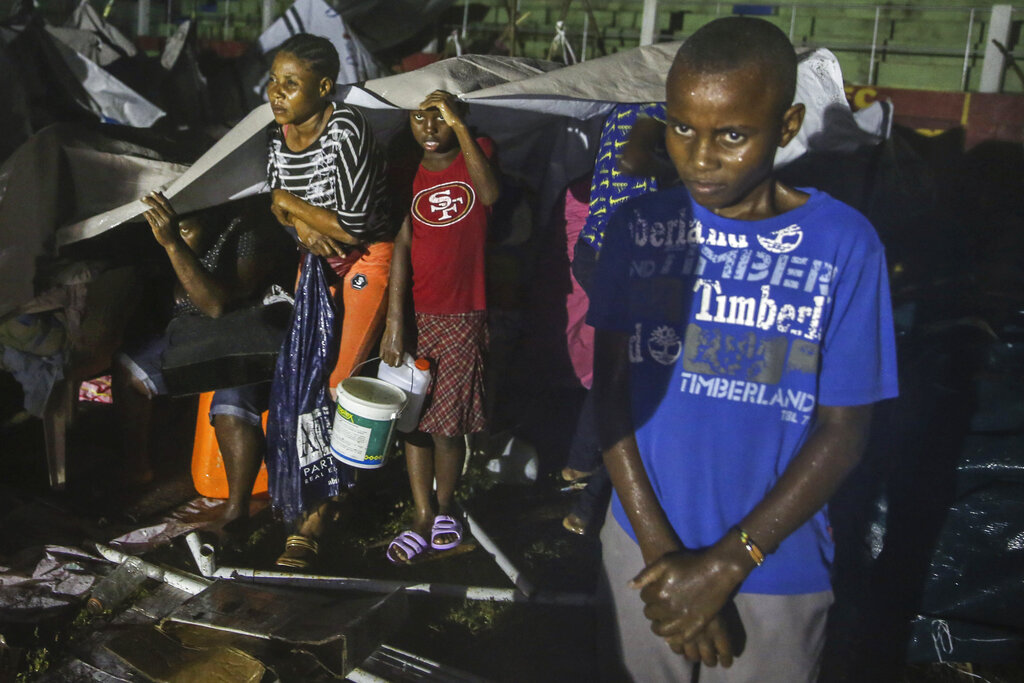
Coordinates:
[439,258]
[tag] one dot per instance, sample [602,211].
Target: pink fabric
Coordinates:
[579,335]
[96,390]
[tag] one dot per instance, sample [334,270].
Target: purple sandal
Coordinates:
[444,525]
[410,543]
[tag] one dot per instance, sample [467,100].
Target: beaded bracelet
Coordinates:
[754,550]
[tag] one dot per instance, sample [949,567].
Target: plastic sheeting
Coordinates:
[70,78]
[319,18]
[233,168]
[87,19]
[384,24]
[194,515]
[40,581]
[930,530]
[461,76]
[545,120]
[110,99]
[86,43]
[300,466]
[60,173]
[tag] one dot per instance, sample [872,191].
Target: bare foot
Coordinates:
[569,475]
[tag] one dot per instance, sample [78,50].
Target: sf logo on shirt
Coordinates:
[443,205]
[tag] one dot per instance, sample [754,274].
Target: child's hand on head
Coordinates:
[445,103]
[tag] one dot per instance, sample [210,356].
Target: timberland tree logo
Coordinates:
[664,345]
[782,241]
[443,205]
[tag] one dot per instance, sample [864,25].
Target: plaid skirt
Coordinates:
[456,345]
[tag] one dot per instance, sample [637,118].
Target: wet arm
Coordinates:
[690,589]
[211,295]
[659,544]
[392,345]
[833,449]
[317,218]
[481,170]
[621,454]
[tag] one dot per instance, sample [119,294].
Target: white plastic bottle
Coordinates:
[412,377]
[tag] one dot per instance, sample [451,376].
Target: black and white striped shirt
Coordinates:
[343,170]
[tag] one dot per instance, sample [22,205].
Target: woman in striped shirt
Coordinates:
[328,183]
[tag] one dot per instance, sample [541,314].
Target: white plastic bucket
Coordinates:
[364,421]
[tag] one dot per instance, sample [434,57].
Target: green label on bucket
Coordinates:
[359,440]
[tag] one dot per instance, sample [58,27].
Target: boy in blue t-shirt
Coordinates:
[744,331]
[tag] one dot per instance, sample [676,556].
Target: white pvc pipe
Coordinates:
[172,577]
[360,676]
[267,15]
[142,18]
[514,575]
[205,558]
[586,26]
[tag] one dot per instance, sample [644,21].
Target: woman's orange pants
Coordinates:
[361,300]
[362,303]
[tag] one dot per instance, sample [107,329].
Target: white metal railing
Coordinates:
[998,19]
[974,46]
[889,13]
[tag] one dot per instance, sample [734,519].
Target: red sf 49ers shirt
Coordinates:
[449,234]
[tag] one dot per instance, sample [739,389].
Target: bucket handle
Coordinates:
[412,379]
[359,365]
[405,402]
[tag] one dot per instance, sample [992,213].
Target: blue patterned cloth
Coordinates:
[610,187]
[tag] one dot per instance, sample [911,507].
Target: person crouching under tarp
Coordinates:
[224,259]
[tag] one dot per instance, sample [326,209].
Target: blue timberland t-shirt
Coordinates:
[738,330]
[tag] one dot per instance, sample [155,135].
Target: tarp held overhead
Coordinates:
[545,138]
[64,172]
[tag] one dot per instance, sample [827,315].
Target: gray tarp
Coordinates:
[319,18]
[48,64]
[110,99]
[87,19]
[61,173]
[544,119]
[234,167]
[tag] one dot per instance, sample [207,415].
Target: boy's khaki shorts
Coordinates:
[785,634]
